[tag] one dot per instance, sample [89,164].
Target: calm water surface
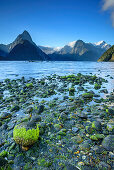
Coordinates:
[17,69]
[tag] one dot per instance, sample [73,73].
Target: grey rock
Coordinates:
[108,143]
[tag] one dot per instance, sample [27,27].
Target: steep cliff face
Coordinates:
[26,51]
[22,48]
[108,55]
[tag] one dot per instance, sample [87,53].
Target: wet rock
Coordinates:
[70,167]
[40,109]
[97,125]
[15,108]
[103,165]
[87,95]
[104,91]
[99,149]
[5,115]
[110,125]
[85,146]
[97,137]
[0,123]
[77,139]
[108,143]
[111,110]
[3,162]
[75,129]
[26,134]
[63,116]
[82,115]
[36,119]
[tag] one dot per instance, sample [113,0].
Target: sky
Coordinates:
[57,22]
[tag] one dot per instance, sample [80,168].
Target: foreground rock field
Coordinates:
[56,123]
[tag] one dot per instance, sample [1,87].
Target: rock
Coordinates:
[75,129]
[111,110]
[77,139]
[15,108]
[105,166]
[99,149]
[0,123]
[40,109]
[5,115]
[85,146]
[36,119]
[104,91]
[108,143]
[63,116]
[97,137]
[70,167]
[87,95]
[110,125]
[57,127]
[26,134]
[3,162]
[97,125]
[82,115]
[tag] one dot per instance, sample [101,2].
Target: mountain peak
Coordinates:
[25,36]
[100,43]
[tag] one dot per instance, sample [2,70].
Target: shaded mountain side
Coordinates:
[24,36]
[108,55]
[3,53]
[26,51]
[87,56]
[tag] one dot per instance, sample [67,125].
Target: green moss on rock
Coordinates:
[24,136]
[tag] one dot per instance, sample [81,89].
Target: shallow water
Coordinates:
[17,69]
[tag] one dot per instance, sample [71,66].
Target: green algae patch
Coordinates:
[87,95]
[97,136]
[25,137]
[29,85]
[97,86]
[3,154]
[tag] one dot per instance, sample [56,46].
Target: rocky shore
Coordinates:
[56,123]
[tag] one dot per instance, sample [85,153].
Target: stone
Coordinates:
[103,165]
[3,162]
[40,109]
[111,110]
[5,115]
[85,146]
[97,125]
[108,143]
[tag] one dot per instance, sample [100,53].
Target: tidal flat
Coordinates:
[74,114]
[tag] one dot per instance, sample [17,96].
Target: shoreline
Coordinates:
[75,122]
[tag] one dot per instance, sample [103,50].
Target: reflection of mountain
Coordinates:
[23,48]
[108,55]
[77,51]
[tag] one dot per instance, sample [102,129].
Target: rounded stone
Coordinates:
[108,143]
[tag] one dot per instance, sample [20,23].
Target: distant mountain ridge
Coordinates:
[77,51]
[23,48]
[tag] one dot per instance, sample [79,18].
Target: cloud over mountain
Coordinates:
[108,5]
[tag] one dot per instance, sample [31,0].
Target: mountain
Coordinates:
[79,51]
[22,48]
[108,55]
[103,45]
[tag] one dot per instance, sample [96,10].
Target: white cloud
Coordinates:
[109,5]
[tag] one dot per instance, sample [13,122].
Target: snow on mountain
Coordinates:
[102,44]
[71,44]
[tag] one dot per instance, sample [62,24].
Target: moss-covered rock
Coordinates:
[97,136]
[26,134]
[97,86]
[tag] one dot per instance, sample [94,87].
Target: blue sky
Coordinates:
[55,22]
